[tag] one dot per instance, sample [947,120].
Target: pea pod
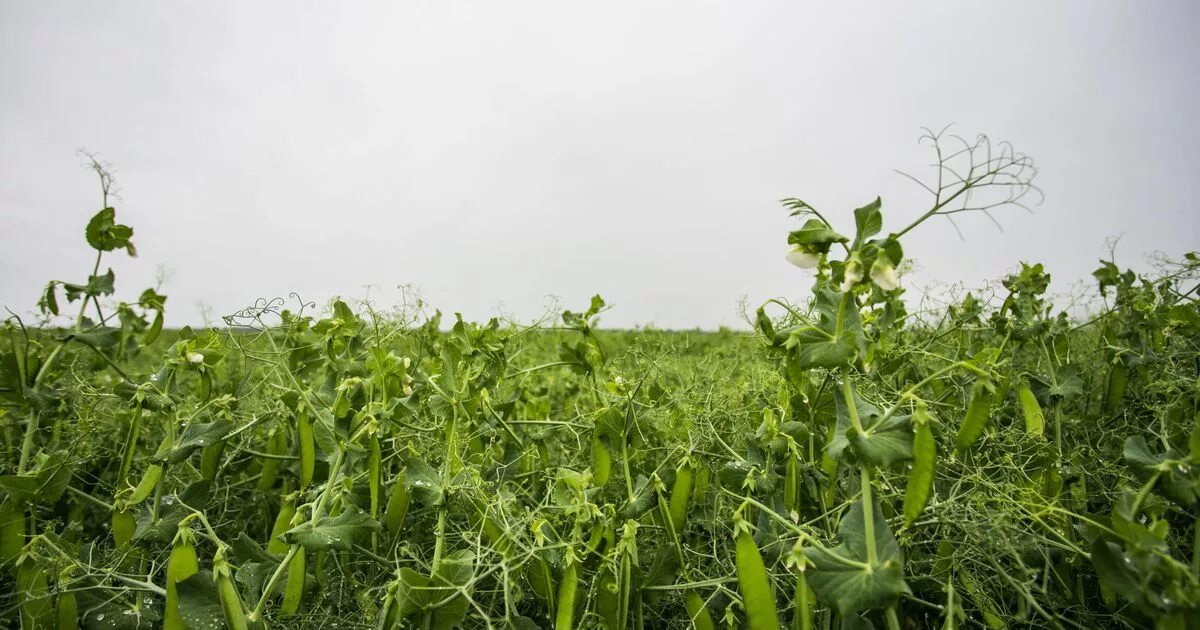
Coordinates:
[538,574]
[1118,381]
[920,478]
[181,564]
[293,591]
[697,613]
[978,409]
[567,588]
[308,453]
[802,617]
[124,524]
[12,531]
[1035,421]
[283,522]
[608,603]
[66,610]
[791,483]
[373,465]
[147,485]
[397,507]
[210,460]
[700,484]
[680,493]
[276,443]
[754,585]
[231,601]
[601,460]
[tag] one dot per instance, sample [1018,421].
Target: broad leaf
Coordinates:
[332,532]
[853,588]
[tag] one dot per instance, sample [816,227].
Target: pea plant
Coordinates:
[862,458]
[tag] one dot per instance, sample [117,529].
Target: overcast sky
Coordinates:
[496,153]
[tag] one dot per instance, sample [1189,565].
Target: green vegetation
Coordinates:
[850,463]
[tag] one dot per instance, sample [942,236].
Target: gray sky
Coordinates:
[495,153]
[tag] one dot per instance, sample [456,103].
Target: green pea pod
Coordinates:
[276,443]
[754,585]
[33,589]
[920,478]
[12,531]
[700,484]
[802,617]
[1118,381]
[1035,421]
[697,613]
[608,601]
[791,484]
[680,493]
[538,574]
[66,610]
[373,465]
[181,565]
[308,453]
[283,522]
[210,460]
[293,591]
[397,507]
[231,601]
[565,618]
[978,410]
[124,524]
[601,461]
[146,485]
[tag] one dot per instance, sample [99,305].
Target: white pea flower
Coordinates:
[852,275]
[196,358]
[883,274]
[803,258]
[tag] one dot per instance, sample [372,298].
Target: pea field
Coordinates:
[860,457]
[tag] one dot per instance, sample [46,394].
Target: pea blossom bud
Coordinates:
[803,258]
[196,358]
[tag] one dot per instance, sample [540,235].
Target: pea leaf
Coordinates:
[105,234]
[200,601]
[332,532]
[885,443]
[836,338]
[817,234]
[196,436]
[423,482]
[868,221]
[853,588]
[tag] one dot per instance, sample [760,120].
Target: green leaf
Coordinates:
[816,235]
[200,602]
[337,532]
[853,588]
[885,443]
[423,482]
[868,414]
[105,234]
[837,337]
[197,436]
[868,220]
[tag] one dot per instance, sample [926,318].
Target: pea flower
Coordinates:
[196,358]
[803,257]
[883,274]
[853,274]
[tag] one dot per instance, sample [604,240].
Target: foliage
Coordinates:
[849,464]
